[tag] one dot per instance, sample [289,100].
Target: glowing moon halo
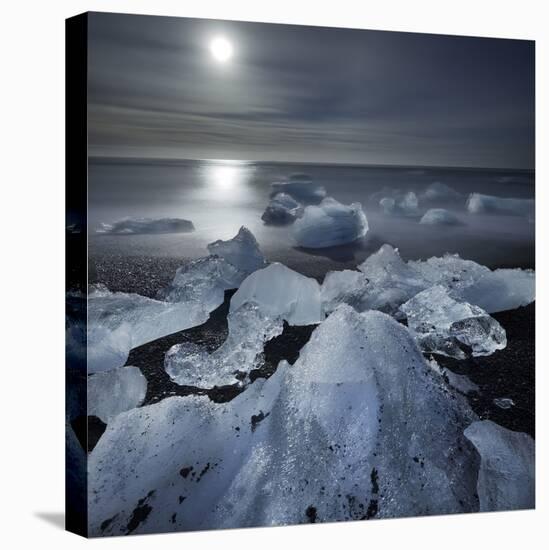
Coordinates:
[221,49]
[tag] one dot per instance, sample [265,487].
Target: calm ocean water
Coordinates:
[220,196]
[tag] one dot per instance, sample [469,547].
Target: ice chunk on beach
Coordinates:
[506,480]
[301,187]
[441,193]
[146,226]
[281,210]
[501,290]
[345,287]
[440,216]
[190,364]
[359,427]
[281,292]
[488,204]
[116,391]
[242,251]
[450,271]
[391,280]
[441,325]
[205,280]
[330,224]
[119,321]
[406,205]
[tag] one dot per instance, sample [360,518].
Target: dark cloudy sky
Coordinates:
[293,93]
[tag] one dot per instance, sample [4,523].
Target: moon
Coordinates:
[221,49]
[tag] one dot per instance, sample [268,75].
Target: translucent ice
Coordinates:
[506,480]
[205,280]
[330,224]
[345,287]
[391,280]
[190,364]
[116,391]
[301,187]
[502,289]
[439,216]
[242,251]
[406,205]
[358,427]
[281,292]
[488,204]
[144,226]
[281,210]
[118,322]
[441,325]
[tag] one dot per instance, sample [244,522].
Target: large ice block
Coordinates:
[359,427]
[281,292]
[330,224]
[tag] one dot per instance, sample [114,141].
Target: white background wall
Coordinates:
[32,272]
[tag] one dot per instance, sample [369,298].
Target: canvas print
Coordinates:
[300,274]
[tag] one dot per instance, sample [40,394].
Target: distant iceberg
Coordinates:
[300,187]
[406,205]
[282,210]
[440,216]
[330,224]
[146,226]
[488,204]
[441,193]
